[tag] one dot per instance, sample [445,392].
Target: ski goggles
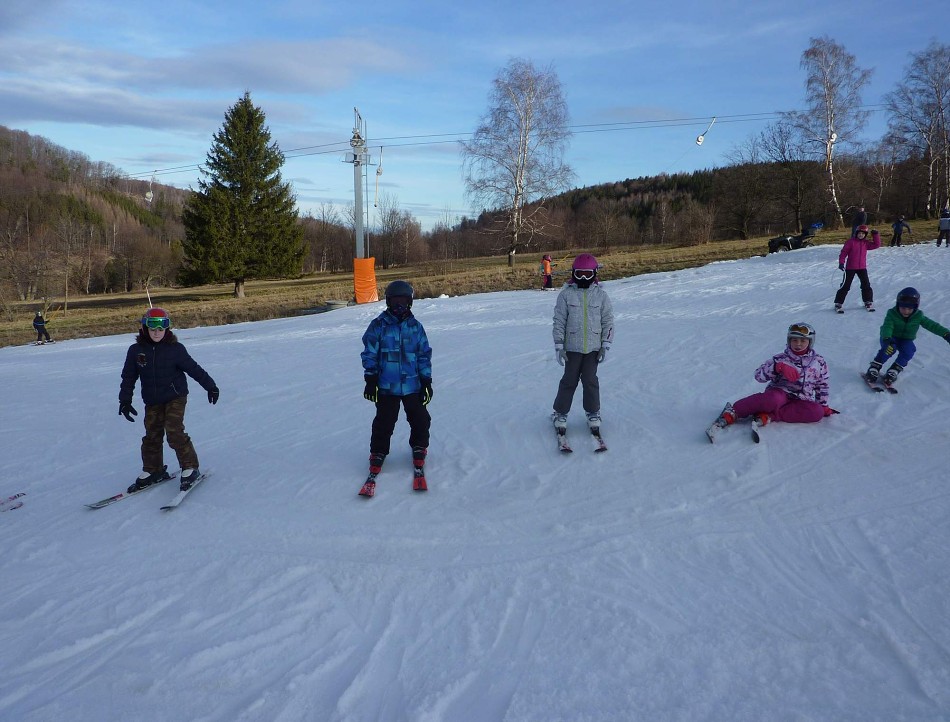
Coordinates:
[156,322]
[584,274]
[800,331]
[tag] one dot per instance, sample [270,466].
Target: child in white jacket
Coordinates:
[583,331]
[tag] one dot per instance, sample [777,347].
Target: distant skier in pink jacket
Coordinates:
[853,260]
[797,390]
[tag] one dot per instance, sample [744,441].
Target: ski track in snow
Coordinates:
[667,579]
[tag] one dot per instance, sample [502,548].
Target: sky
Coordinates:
[667,579]
[145,85]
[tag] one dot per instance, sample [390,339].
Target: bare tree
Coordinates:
[515,159]
[798,175]
[833,84]
[919,111]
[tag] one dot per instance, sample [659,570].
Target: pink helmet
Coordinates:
[585,261]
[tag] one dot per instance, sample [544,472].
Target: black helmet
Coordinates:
[908,298]
[400,288]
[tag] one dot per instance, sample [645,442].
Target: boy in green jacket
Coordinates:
[898,333]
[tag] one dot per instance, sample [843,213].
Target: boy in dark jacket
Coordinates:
[161,362]
[898,333]
[397,369]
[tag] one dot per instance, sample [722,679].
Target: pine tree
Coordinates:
[242,221]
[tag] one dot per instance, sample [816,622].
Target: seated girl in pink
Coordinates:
[797,390]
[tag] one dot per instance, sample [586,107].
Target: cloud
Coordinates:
[313,67]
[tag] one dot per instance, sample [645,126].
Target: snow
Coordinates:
[804,578]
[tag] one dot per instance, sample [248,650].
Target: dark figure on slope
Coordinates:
[853,260]
[899,225]
[397,369]
[900,327]
[161,362]
[39,325]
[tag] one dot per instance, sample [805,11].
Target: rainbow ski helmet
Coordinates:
[802,330]
[908,298]
[156,318]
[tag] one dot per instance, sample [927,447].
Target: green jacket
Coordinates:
[896,326]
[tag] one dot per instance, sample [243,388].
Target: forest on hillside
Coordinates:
[72,226]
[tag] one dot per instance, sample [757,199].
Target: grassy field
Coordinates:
[215,305]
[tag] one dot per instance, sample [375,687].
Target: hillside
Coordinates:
[803,578]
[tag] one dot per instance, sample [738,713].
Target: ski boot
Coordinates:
[869,305]
[375,466]
[560,421]
[874,370]
[418,468]
[838,308]
[188,478]
[593,422]
[146,479]
[726,417]
[891,376]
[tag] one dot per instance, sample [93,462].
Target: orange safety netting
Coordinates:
[364,280]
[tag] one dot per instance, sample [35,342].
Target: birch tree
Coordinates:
[515,159]
[919,113]
[833,114]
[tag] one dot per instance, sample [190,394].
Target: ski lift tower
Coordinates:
[359,158]
[364,273]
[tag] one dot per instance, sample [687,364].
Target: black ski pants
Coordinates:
[579,367]
[387,413]
[867,293]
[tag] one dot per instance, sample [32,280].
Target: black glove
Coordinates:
[126,410]
[840,266]
[371,392]
[890,346]
[947,338]
[213,395]
[426,390]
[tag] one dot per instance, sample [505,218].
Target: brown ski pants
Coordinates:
[162,419]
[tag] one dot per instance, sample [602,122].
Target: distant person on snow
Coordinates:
[943,226]
[899,225]
[898,332]
[797,390]
[546,273]
[39,325]
[583,332]
[860,219]
[853,260]
[397,369]
[161,362]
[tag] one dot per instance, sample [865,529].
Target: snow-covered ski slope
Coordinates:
[804,578]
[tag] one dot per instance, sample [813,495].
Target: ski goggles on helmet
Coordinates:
[584,274]
[156,322]
[797,330]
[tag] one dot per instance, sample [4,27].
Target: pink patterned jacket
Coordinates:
[812,381]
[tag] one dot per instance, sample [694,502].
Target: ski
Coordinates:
[180,497]
[878,386]
[369,486]
[755,432]
[562,443]
[126,494]
[711,432]
[600,444]
[12,502]
[419,480]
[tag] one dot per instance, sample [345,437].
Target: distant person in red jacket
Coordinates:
[853,260]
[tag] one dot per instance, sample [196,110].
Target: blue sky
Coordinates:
[145,85]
